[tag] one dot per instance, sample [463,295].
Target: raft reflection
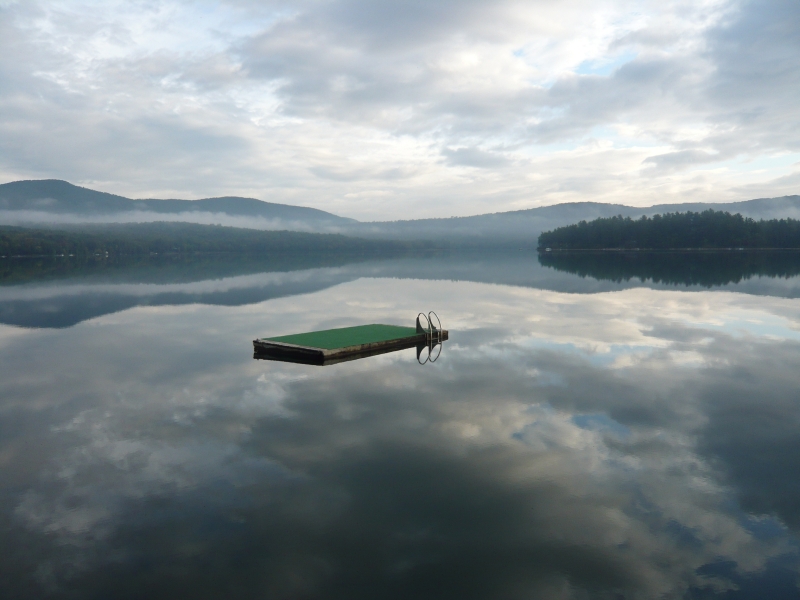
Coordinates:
[425,353]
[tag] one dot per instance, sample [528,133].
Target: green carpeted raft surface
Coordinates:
[346,343]
[345,337]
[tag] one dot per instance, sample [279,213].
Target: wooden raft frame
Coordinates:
[270,349]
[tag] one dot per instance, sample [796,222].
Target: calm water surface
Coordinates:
[580,437]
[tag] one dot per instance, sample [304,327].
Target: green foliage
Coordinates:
[167,238]
[707,229]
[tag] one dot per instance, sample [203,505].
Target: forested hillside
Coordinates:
[707,229]
[159,238]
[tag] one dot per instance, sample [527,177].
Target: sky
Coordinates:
[382,110]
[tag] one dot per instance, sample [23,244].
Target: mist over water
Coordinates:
[588,431]
[33,218]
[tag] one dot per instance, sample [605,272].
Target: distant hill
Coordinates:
[522,227]
[40,198]
[58,202]
[131,239]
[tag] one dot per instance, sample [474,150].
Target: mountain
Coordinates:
[60,201]
[522,227]
[54,202]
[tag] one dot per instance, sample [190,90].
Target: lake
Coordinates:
[623,427]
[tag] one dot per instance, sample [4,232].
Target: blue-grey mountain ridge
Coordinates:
[59,202]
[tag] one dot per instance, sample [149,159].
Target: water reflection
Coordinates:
[635,443]
[60,294]
[707,268]
[426,353]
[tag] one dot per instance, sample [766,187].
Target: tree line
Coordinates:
[707,229]
[166,238]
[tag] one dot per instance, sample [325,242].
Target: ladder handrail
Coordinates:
[433,337]
[439,330]
[421,329]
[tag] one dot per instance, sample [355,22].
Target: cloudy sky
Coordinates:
[381,110]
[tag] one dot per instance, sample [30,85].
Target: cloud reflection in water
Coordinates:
[638,443]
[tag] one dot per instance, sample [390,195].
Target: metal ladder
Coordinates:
[433,336]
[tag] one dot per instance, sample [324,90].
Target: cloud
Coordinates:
[474,157]
[681,159]
[32,217]
[350,105]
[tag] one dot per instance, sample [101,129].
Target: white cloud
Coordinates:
[375,109]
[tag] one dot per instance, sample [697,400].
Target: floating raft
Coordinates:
[347,343]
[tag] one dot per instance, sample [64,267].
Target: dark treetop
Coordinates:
[707,229]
